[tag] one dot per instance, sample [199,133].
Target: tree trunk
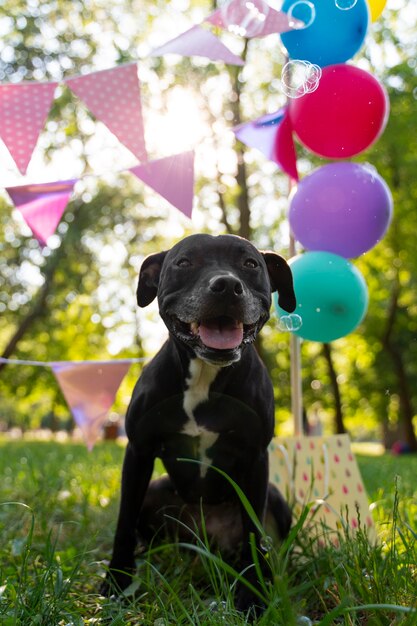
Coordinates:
[406,405]
[241,175]
[339,427]
[38,308]
[26,322]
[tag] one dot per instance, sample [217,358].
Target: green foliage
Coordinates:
[57,514]
[89,272]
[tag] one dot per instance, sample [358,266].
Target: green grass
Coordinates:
[58,508]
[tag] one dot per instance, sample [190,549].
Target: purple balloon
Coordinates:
[343,207]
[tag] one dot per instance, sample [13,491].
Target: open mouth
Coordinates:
[217,333]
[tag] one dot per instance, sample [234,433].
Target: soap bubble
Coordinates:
[266,543]
[303,620]
[245,18]
[345,5]
[305,12]
[290,322]
[299,77]
[220,609]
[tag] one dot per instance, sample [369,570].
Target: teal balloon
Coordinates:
[332,296]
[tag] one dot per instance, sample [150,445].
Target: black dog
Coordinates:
[206,396]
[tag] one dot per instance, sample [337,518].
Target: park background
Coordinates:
[75,298]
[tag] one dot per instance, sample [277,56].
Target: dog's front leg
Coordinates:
[255,489]
[136,474]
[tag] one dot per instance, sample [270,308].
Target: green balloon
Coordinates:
[332,297]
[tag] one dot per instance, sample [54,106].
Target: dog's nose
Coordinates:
[226,285]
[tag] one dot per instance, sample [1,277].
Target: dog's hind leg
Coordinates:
[278,513]
[164,514]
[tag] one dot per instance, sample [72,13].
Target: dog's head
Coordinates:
[214,293]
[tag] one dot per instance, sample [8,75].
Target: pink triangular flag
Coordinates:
[42,206]
[24,108]
[275,21]
[90,389]
[172,177]
[272,135]
[113,96]
[199,42]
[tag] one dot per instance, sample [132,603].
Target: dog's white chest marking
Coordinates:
[201,376]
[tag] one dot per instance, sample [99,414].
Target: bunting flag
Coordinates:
[272,135]
[42,206]
[275,22]
[172,177]
[113,96]
[285,154]
[198,41]
[24,108]
[90,389]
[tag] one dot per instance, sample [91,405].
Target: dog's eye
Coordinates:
[251,263]
[183,262]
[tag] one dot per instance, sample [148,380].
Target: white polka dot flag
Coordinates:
[24,108]
[113,96]
[42,205]
[200,42]
[172,177]
[90,389]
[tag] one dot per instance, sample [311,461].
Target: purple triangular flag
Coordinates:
[272,135]
[42,205]
[198,41]
[172,177]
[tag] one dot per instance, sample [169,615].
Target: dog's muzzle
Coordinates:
[221,324]
[218,333]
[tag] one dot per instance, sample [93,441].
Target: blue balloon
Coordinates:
[332,297]
[333,35]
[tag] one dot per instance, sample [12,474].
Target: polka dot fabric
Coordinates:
[113,96]
[322,471]
[24,108]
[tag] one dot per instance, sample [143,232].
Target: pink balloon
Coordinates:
[344,116]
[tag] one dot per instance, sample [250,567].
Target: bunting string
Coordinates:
[42,205]
[51,363]
[89,388]
[113,96]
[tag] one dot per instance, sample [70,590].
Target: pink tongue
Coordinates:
[221,336]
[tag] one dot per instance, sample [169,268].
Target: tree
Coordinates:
[84,281]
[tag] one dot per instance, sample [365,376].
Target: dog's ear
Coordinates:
[280,277]
[149,278]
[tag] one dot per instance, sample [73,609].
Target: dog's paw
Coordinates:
[248,602]
[116,581]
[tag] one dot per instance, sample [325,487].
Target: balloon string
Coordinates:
[295,352]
